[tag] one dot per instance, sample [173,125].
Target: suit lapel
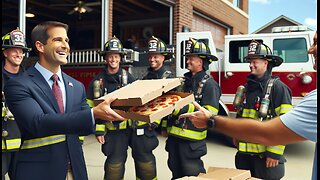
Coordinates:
[69,91]
[39,80]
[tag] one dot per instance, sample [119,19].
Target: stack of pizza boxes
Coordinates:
[148,100]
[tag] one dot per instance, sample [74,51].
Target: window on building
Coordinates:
[291,50]
[236,3]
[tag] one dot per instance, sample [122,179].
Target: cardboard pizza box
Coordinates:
[143,91]
[219,173]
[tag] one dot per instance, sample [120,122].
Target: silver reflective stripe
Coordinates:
[38,142]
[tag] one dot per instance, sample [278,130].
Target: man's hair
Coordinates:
[40,32]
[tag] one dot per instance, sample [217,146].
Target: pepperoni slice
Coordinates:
[154,109]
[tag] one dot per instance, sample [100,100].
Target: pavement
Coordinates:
[299,159]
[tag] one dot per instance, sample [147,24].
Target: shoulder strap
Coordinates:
[198,95]
[124,78]
[267,89]
[166,74]
[267,93]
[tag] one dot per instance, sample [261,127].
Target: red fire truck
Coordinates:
[230,70]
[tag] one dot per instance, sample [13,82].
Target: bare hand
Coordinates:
[103,111]
[271,162]
[100,139]
[199,118]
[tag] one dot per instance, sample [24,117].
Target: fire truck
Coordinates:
[230,71]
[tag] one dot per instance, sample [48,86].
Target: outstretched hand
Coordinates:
[198,118]
[103,111]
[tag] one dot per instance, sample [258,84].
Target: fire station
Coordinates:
[92,22]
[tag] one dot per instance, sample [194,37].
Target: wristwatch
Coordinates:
[211,122]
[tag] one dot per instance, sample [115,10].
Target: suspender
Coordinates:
[166,74]
[198,95]
[124,78]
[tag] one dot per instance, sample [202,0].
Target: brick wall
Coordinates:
[218,10]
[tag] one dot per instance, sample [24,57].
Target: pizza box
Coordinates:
[186,98]
[142,91]
[219,173]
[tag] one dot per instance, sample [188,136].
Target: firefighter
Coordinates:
[13,49]
[114,136]
[186,144]
[157,54]
[266,97]
[144,136]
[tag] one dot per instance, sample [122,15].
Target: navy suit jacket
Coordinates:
[36,111]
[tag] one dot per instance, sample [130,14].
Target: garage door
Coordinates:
[200,23]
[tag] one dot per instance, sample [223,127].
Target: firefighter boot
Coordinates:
[113,171]
[146,170]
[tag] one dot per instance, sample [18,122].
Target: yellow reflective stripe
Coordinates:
[190,108]
[9,144]
[111,126]
[129,122]
[213,110]
[157,121]
[187,133]
[176,112]
[164,123]
[81,138]
[90,103]
[250,113]
[100,127]
[141,123]
[279,149]
[39,142]
[283,108]
[251,147]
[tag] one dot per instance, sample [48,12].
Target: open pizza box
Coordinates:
[219,173]
[143,91]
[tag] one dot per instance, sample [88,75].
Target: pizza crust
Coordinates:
[156,105]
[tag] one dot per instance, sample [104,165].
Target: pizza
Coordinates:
[155,105]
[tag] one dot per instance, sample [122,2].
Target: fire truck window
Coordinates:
[238,50]
[292,50]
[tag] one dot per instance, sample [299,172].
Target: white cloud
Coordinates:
[310,22]
[261,1]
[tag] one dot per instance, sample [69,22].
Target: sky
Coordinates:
[261,12]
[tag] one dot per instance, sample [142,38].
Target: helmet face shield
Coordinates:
[14,39]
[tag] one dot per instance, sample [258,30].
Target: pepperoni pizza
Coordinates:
[155,105]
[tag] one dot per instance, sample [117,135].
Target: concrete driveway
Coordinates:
[299,159]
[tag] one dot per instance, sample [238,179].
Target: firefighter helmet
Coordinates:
[262,51]
[201,49]
[112,46]
[14,39]
[157,46]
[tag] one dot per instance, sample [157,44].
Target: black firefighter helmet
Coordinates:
[201,49]
[112,46]
[14,39]
[262,51]
[157,46]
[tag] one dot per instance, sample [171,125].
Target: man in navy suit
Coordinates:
[50,126]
